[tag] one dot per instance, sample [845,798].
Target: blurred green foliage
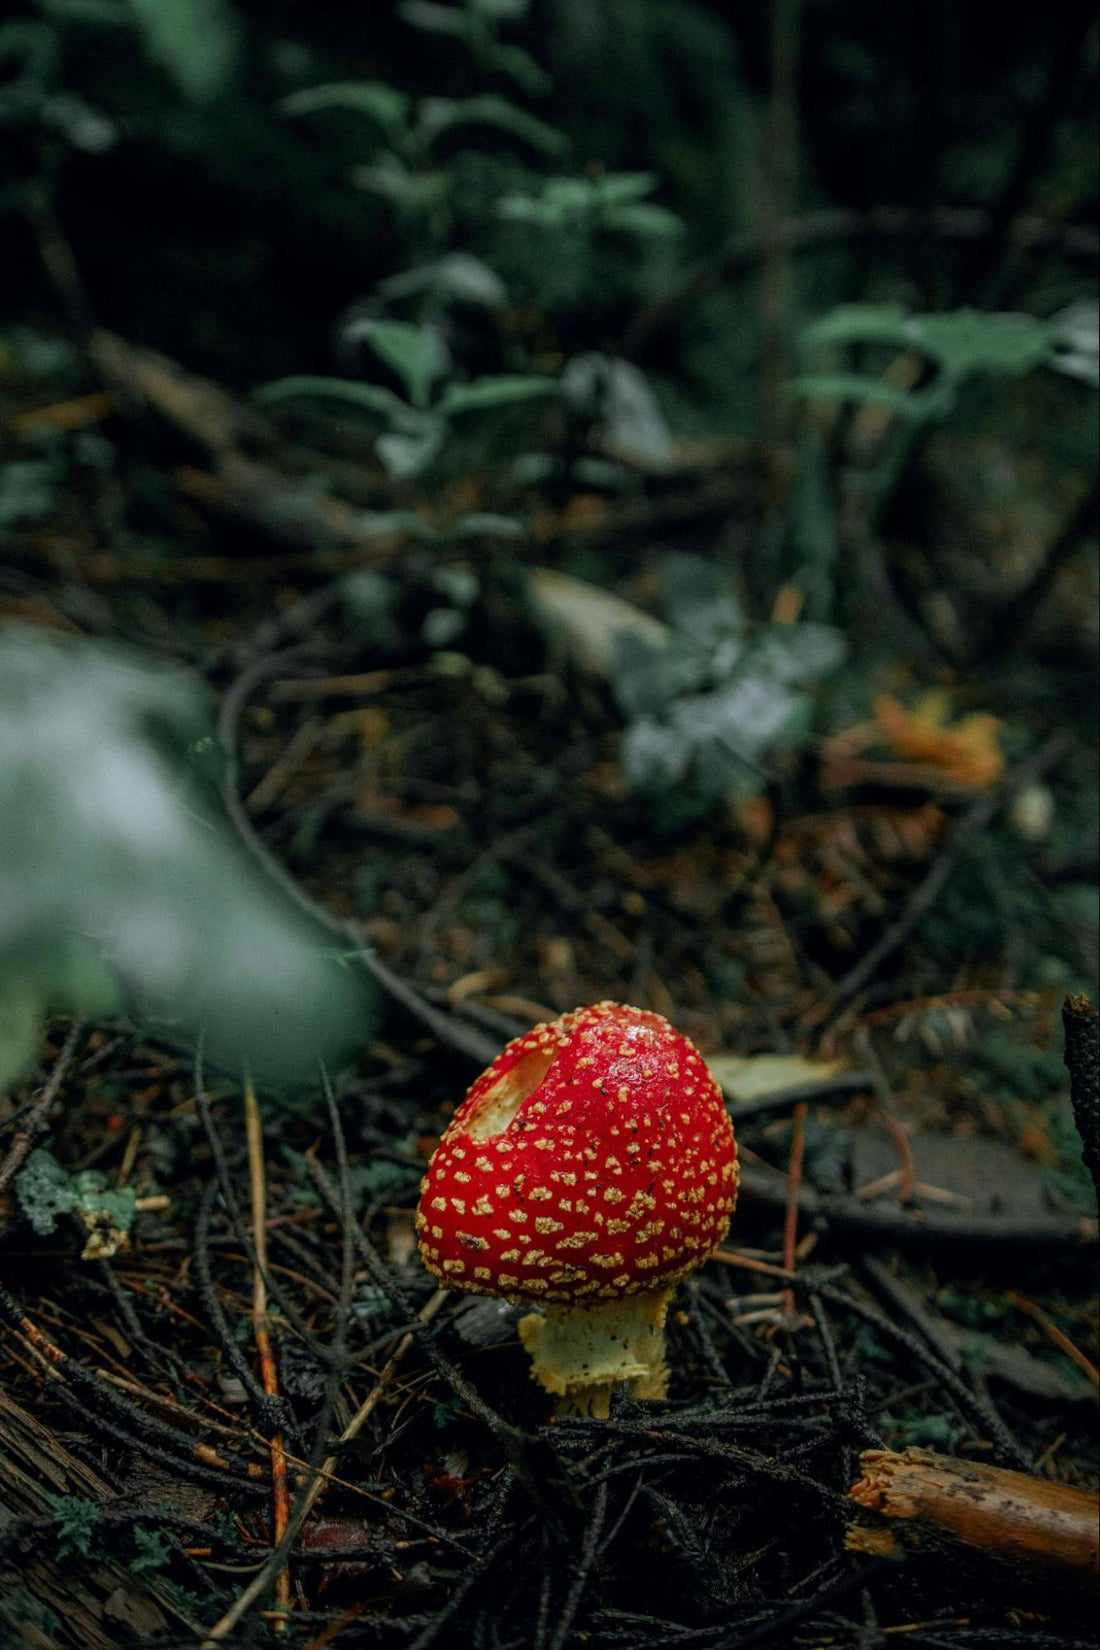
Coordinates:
[709,709]
[123,889]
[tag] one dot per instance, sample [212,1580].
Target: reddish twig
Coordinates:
[261,1324]
[794,1186]
[1056,1336]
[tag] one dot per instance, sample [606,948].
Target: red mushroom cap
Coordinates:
[593,1159]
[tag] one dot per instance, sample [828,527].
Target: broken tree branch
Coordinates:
[919,1502]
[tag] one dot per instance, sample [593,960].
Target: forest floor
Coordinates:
[912,1260]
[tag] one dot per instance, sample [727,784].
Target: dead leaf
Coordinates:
[967,751]
[743,1079]
[587,619]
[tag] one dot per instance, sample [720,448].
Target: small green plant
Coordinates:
[151,1551]
[75,1520]
[951,349]
[46,1190]
[406,169]
[711,709]
[465,217]
[957,345]
[609,201]
[416,428]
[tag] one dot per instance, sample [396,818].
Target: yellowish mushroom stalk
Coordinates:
[582,1354]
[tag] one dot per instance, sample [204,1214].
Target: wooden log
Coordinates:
[919,1502]
[54,1602]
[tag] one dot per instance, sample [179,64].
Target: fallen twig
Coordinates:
[1056,1336]
[38,1117]
[261,1327]
[790,1213]
[920,1502]
[1083,1063]
[366,1408]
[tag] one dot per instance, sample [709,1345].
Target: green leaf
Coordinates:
[696,599]
[196,41]
[368,602]
[849,386]
[655,758]
[28,490]
[76,1519]
[500,11]
[407,191]
[649,678]
[407,453]
[521,67]
[618,395]
[708,710]
[545,214]
[383,104]
[417,354]
[29,64]
[373,398]
[861,324]
[458,277]
[502,390]
[645,218]
[106,13]
[152,1551]
[434,19]
[960,343]
[797,654]
[620,188]
[966,341]
[440,114]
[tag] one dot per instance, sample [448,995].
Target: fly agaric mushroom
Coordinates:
[586,1172]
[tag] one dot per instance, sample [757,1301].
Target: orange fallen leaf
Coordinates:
[967,751]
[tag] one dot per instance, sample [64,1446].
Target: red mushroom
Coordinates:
[589,1169]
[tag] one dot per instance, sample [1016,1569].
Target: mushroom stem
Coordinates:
[582,1353]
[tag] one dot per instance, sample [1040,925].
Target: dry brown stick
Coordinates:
[370,1402]
[36,1122]
[1057,1336]
[884,1114]
[1082,1057]
[261,1325]
[790,1214]
[919,1502]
